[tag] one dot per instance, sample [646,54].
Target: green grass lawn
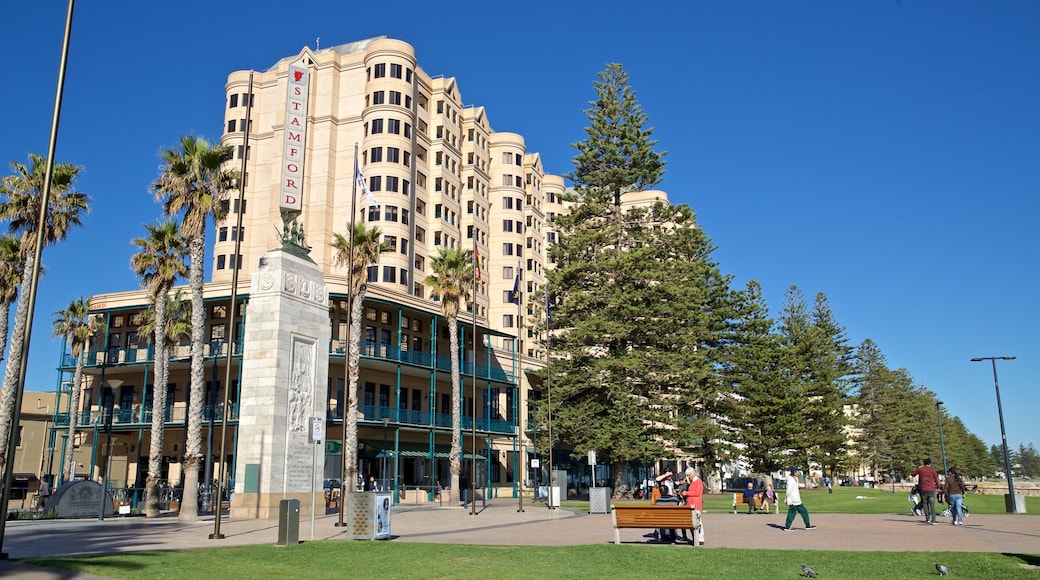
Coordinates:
[326,559]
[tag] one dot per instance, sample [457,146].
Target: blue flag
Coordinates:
[514,296]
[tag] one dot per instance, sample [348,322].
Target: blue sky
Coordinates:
[886,153]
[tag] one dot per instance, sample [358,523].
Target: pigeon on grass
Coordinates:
[808,572]
[943,570]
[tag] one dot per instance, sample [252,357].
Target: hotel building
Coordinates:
[442,178]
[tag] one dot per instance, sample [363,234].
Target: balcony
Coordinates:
[145,354]
[138,416]
[388,352]
[375,414]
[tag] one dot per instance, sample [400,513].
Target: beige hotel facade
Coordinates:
[443,178]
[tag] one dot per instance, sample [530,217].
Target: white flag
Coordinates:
[364,187]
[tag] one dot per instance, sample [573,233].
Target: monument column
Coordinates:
[284,384]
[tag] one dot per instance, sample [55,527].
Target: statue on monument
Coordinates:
[293,238]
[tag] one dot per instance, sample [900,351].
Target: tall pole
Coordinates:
[519,474]
[942,444]
[1003,437]
[232,303]
[473,405]
[34,276]
[548,389]
[351,406]
[108,448]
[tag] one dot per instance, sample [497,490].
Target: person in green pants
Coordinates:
[793,499]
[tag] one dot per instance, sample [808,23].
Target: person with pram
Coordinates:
[954,490]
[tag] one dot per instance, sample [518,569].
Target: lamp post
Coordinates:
[112,385]
[1003,437]
[942,445]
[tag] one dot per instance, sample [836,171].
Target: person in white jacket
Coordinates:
[793,499]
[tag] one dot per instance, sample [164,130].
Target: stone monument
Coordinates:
[284,385]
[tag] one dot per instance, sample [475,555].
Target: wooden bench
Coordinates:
[756,502]
[676,517]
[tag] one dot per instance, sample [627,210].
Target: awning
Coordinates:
[24,479]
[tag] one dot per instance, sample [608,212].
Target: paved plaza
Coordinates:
[500,523]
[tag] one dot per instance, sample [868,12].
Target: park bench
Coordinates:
[677,517]
[756,502]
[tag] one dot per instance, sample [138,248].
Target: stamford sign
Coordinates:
[295,139]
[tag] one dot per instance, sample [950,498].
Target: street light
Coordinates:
[942,446]
[1003,437]
[113,384]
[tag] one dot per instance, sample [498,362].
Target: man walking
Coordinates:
[927,483]
[793,499]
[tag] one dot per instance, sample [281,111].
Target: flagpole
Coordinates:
[548,389]
[216,535]
[473,431]
[516,377]
[351,405]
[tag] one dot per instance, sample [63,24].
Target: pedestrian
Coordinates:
[43,493]
[370,483]
[668,497]
[793,499]
[464,490]
[928,483]
[695,498]
[955,490]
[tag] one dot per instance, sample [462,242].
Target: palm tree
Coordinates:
[366,249]
[451,282]
[21,196]
[11,263]
[77,326]
[159,263]
[193,182]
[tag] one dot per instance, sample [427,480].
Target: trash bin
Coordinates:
[599,500]
[288,522]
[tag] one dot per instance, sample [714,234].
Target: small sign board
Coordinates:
[592,457]
[317,430]
[535,463]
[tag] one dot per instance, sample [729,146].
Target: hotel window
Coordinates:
[375,183]
[404,215]
[406,187]
[507,225]
[519,227]
[390,213]
[393,155]
[395,71]
[507,179]
[380,71]
[393,126]
[519,182]
[420,235]
[373,213]
[507,272]
[231,125]
[234,206]
[377,126]
[408,75]
[437,184]
[220,262]
[378,97]
[407,102]
[373,273]
[519,250]
[436,238]
[440,131]
[404,277]
[469,135]
[437,211]
[507,158]
[407,159]
[420,206]
[404,244]
[440,107]
[391,183]
[407,130]
[389,274]
[438,158]
[395,97]
[217,332]
[390,242]
[507,249]
[507,202]
[222,234]
[469,182]
[507,319]
[519,159]
[375,155]
[234,101]
[238,152]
